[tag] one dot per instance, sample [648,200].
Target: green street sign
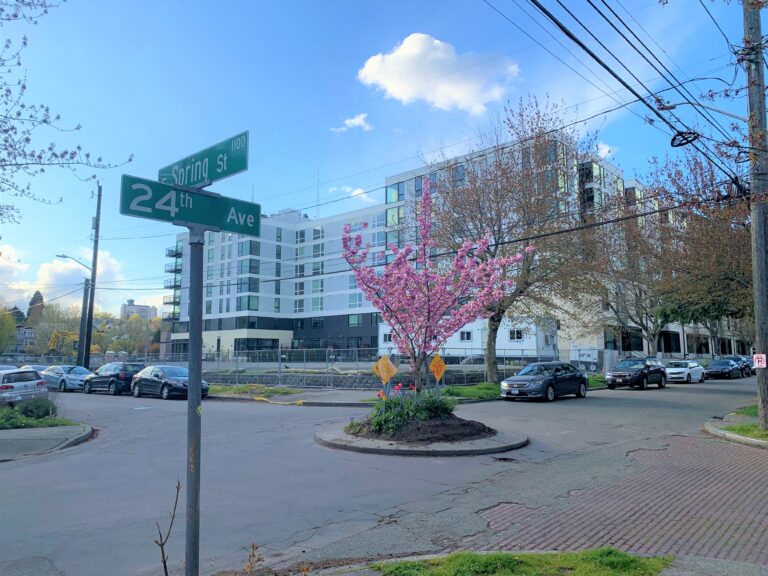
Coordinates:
[219,161]
[183,207]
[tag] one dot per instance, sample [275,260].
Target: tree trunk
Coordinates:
[491,365]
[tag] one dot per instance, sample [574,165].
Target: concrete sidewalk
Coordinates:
[34,441]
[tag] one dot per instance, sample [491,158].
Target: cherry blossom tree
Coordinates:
[423,300]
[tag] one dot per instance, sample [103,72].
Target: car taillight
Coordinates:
[41,383]
[6,387]
[122,375]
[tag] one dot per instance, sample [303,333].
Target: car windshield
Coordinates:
[536,370]
[134,367]
[720,363]
[677,365]
[175,372]
[627,364]
[77,370]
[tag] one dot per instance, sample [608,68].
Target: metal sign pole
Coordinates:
[194,408]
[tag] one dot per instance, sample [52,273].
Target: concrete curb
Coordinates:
[74,440]
[335,437]
[715,430]
[217,398]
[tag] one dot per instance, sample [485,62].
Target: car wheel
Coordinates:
[611,386]
[112,388]
[644,383]
[165,392]
[582,391]
[663,382]
[550,393]
[688,378]
[136,391]
[87,388]
[701,380]
[62,386]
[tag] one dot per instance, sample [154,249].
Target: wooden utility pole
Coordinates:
[758,177]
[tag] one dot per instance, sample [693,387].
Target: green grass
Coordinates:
[596,381]
[601,562]
[748,411]
[252,390]
[11,418]
[480,391]
[748,430]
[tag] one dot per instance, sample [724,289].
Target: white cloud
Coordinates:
[358,121]
[603,150]
[357,193]
[424,68]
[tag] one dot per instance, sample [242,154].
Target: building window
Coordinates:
[395,192]
[301,252]
[318,250]
[298,289]
[221,288]
[317,304]
[317,323]
[209,272]
[395,216]
[318,268]
[465,336]
[249,248]
[223,269]
[299,271]
[352,285]
[248,303]
[278,269]
[298,323]
[208,306]
[317,286]
[247,285]
[387,337]
[298,305]
[300,236]
[318,233]
[221,306]
[380,220]
[356,300]
[210,254]
[248,266]
[277,287]
[515,334]
[278,234]
[277,304]
[278,252]
[355,320]
[208,290]
[375,318]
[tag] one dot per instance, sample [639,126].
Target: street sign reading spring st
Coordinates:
[219,161]
[158,201]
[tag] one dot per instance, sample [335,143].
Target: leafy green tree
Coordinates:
[7,331]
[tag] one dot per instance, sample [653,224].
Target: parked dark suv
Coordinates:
[114,377]
[637,372]
[741,361]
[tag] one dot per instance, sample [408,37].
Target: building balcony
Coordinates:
[171,316]
[172,283]
[173,268]
[173,300]
[173,252]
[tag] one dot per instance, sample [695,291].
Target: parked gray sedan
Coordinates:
[546,380]
[65,377]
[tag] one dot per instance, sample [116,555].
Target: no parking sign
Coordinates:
[759,360]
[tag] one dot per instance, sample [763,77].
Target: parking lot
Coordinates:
[265,481]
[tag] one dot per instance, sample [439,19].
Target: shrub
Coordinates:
[10,418]
[393,412]
[38,408]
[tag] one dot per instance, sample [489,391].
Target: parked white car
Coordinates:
[685,371]
[18,385]
[64,378]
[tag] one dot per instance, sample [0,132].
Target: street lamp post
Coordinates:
[83,312]
[672,106]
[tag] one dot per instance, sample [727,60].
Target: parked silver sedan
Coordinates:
[18,385]
[65,377]
[684,371]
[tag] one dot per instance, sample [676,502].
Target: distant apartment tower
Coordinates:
[143,311]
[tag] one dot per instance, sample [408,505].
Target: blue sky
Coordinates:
[342,92]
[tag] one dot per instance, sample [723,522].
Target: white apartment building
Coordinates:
[143,311]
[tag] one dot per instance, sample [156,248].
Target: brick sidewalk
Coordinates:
[697,497]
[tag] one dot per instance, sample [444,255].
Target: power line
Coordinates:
[613,73]
[717,24]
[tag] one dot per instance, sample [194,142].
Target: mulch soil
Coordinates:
[442,429]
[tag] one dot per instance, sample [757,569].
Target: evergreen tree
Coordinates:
[35,311]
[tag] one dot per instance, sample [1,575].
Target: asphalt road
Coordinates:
[91,510]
